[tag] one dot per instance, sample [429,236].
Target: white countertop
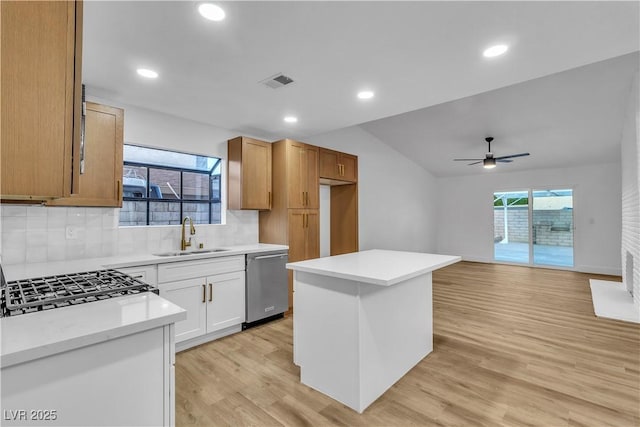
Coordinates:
[31,336]
[376,266]
[35,335]
[41,269]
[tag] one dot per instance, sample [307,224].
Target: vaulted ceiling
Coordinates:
[436,96]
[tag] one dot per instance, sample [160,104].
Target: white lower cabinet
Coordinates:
[188,294]
[125,381]
[211,290]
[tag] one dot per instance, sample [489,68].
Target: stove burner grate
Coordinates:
[26,296]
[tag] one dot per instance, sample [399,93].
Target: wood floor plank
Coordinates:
[512,346]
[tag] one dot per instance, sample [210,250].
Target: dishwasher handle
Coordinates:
[270,256]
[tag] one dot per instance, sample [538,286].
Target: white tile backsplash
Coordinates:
[37,233]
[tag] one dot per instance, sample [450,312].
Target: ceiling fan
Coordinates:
[489,162]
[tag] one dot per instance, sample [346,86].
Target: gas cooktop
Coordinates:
[45,293]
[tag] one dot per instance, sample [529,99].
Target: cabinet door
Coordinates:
[191,295]
[312,235]
[225,300]
[40,48]
[297,235]
[329,167]
[256,174]
[249,174]
[348,167]
[101,182]
[312,182]
[296,175]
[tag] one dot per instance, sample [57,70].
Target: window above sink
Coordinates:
[160,187]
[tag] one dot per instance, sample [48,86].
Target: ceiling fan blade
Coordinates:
[475,163]
[466,160]
[512,156]
[504,160]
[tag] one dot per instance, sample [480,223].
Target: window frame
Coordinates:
[211,201]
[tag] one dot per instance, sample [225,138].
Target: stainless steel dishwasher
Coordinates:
[267,295]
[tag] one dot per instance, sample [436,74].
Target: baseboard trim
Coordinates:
[203,339]
[608,271]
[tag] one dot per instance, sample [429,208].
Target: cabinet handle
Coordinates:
[119,190]
[210,292]
[82,131]
[269,199]
[303,198]
[204,293]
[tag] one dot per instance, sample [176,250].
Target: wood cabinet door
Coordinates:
[311,176]
[349,167]
[297,235]
[249,174]
[256,174]
[225,300]
[191,295]
[312,237]
[302,180]
[296,175]
[100,184]
[38,55]
[329,164]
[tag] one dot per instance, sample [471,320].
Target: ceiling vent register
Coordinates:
[277,81]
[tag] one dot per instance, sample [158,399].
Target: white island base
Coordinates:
[362,321]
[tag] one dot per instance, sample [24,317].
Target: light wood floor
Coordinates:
[512,346]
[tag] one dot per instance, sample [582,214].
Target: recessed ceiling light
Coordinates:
[494,51]
[365,94]
[291,119]
[211,11]
[145,72]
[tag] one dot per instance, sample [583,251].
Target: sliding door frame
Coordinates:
[531,261]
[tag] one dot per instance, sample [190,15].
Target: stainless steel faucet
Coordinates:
[184,243]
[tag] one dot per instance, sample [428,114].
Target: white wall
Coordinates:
[630,149]
[325,220]
[465,213]
[396,202]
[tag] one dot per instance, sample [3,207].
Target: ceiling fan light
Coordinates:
[489,163]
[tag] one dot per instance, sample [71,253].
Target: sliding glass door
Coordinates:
[534,227]
[552,219]
[511,226]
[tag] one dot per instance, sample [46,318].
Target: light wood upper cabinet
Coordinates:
[303,176]
[100,180]
[41,55]
[249,179]
[338,166]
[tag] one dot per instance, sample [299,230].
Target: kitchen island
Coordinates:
[362,320]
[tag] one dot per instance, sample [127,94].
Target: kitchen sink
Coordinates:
[198,251]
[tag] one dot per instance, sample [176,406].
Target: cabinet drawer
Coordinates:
[146,273]
[198,268]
